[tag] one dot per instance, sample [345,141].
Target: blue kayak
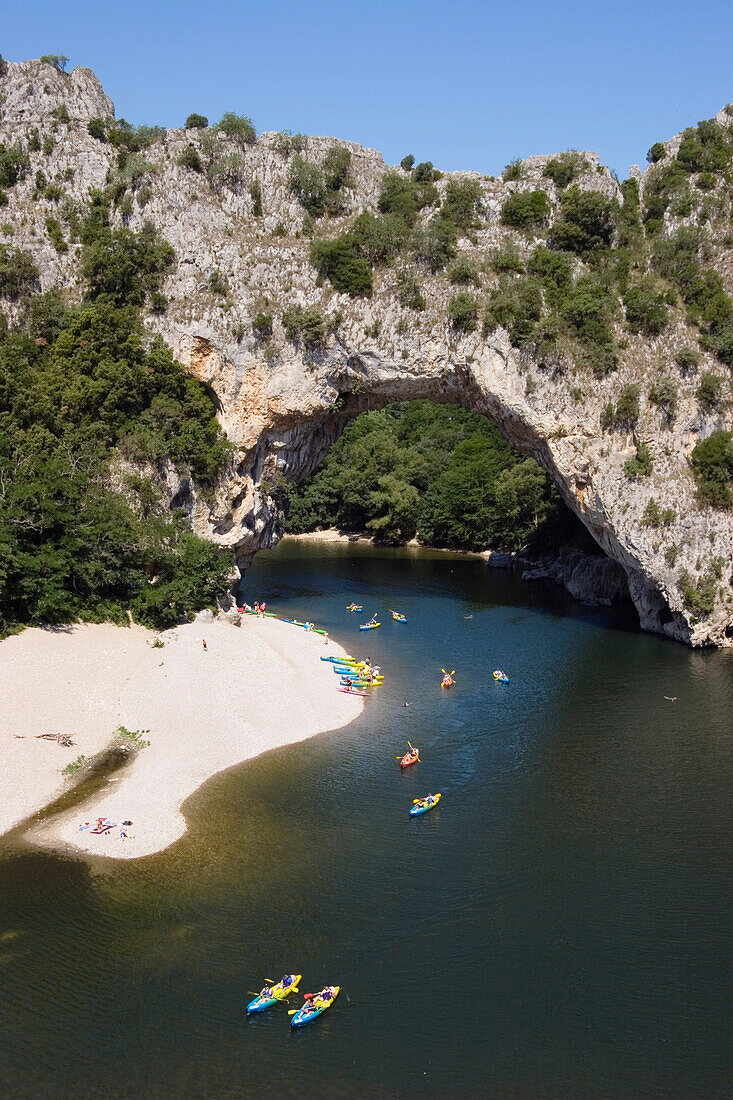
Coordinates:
[278,992]
[340,660]
[429,803]
[310,1010]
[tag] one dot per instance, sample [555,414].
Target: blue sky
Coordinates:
[462,83]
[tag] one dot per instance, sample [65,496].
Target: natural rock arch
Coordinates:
[285,419]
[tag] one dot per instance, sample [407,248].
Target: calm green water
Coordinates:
[556,928]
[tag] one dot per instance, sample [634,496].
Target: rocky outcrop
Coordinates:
[591,578]
[284,406]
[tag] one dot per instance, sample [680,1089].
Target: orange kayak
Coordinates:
[408,759]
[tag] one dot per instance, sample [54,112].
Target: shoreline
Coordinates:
[334,534]
[257,686]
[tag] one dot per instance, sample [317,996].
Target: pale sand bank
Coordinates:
[256,687]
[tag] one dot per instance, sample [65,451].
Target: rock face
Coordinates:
[284,406]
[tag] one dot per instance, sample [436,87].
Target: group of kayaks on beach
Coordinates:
[272,993]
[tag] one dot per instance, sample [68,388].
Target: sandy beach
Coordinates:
[255,687]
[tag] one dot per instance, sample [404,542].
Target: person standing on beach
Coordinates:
[325,638]
[203,642]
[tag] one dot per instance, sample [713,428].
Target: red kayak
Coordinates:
[408,759]
[352,691]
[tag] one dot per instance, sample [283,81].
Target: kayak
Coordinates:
[251,611]
[309,1011]
[408,759]
[351,691]
[398,617]
[446,682]
[369,626]
[279,993]
[501,676]
[340,660]
[313,629]
[356,607]
[423,809]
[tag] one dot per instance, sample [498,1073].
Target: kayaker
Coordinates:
[287,981]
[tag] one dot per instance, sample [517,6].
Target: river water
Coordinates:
[557,927]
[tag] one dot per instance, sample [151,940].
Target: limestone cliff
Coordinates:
[238,236]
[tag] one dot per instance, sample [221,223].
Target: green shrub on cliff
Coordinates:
[712,467]
[340,262]
[587,222]
[18,273]
[463,312]
[526,210]
[564,169]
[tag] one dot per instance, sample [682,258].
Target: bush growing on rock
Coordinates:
[625,413]
[335,167]
[340,262]
[379,239]
[687,359]
[712,467]
[408,290]
[507,260]
[463,272]
[405,198]
[255,193]
[514,304]
[190,158]
[514,170]
[461,203]
[97,129]
[435,244]
[14,165]
[407,162]
[700,598]
[463,312]
[709,391]
[123,265]
[663,394]
[526,210]
[58,60]
[306,325]
[196,122]
[424,172]
[262,326]
[587,222]
[238,128]
[656,153]
[18,273]
[564,169]
[641,465]
[646,309]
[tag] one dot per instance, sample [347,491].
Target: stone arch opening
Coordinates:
[284,415]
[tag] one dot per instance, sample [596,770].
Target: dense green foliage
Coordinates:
[526,210]
[463,312]
[238,128]
[77,387]
[712,467]
[340,262]
[318,187]
[587,222]
[564,169]
[92,381]
[196,122]
[439,471]
[18,273]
